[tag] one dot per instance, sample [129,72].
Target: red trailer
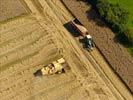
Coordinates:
[79,27]
[88,42]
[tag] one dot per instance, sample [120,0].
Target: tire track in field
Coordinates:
[40,86]
[29,71]
[20,55]
[11,25]
[28,62]
[17,32]
[21,42]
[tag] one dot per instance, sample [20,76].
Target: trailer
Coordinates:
[88,41]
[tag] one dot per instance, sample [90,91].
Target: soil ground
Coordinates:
[30,42]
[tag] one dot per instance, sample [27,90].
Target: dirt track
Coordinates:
[38,39]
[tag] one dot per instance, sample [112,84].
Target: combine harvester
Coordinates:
[56,67]
[88,42]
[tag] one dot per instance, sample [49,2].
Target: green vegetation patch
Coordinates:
[128,5]
[118,15]
[130,50]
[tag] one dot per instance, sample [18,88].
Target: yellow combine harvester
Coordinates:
[55,67]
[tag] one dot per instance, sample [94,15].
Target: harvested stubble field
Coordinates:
[10,9]
[115,54]
[28,43]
